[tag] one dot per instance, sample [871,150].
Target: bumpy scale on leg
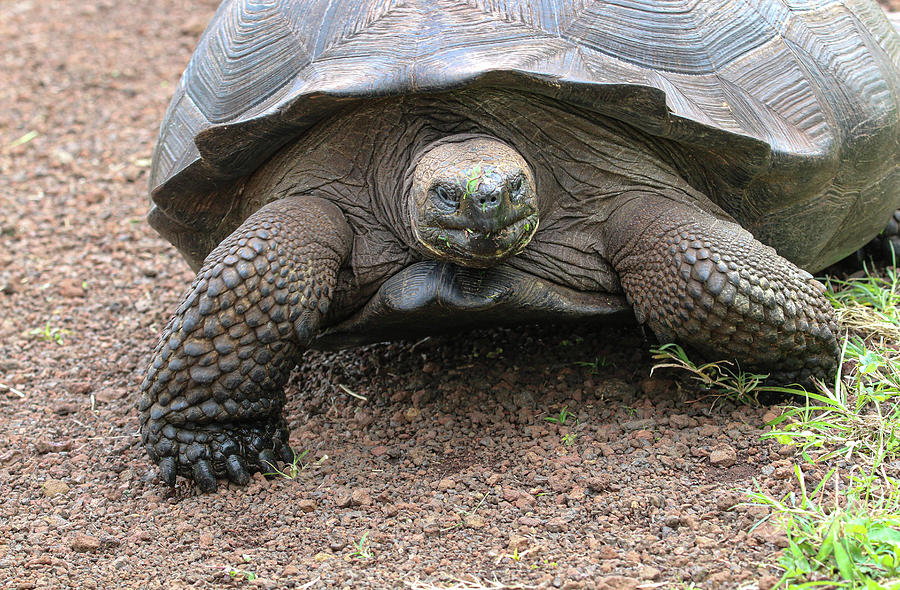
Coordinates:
[709,284]
[212,399]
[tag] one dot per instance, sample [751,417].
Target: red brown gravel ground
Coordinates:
[450,467]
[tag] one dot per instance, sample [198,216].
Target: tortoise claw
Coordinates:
[267,460]
[168,471]
[232,451]
[204,476]
[237,470]
[287,455]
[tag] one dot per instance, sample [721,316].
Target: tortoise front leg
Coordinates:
[212,399]
[709,284]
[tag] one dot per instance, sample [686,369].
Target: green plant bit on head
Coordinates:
[473,180]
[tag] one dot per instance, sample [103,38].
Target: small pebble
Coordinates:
[83,543]
[723,455]
[55,487]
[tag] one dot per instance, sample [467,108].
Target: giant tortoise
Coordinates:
[340,172]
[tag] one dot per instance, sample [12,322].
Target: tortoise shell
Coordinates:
[790,105]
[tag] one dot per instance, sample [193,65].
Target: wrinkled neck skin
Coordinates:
[584,166]
[367,155]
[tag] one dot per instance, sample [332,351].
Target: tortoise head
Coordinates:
[472,201]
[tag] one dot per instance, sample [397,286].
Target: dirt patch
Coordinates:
[450,469]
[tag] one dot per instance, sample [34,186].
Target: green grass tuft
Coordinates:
[361,548]
[845,532]
[50,334]
[296,466]
[559,418]
[840,538]
[718,378]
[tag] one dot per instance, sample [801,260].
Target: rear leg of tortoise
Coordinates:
[709,284]
[211,402]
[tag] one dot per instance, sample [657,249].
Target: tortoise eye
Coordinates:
[516,185]
[446,197]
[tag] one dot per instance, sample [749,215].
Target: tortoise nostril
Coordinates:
[486,200]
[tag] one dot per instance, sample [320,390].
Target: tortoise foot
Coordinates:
[207,452]
[709,284]
[212,397]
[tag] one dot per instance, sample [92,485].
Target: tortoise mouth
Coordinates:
[480,249]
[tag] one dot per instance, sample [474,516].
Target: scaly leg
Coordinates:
[709,284]
[212,399]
